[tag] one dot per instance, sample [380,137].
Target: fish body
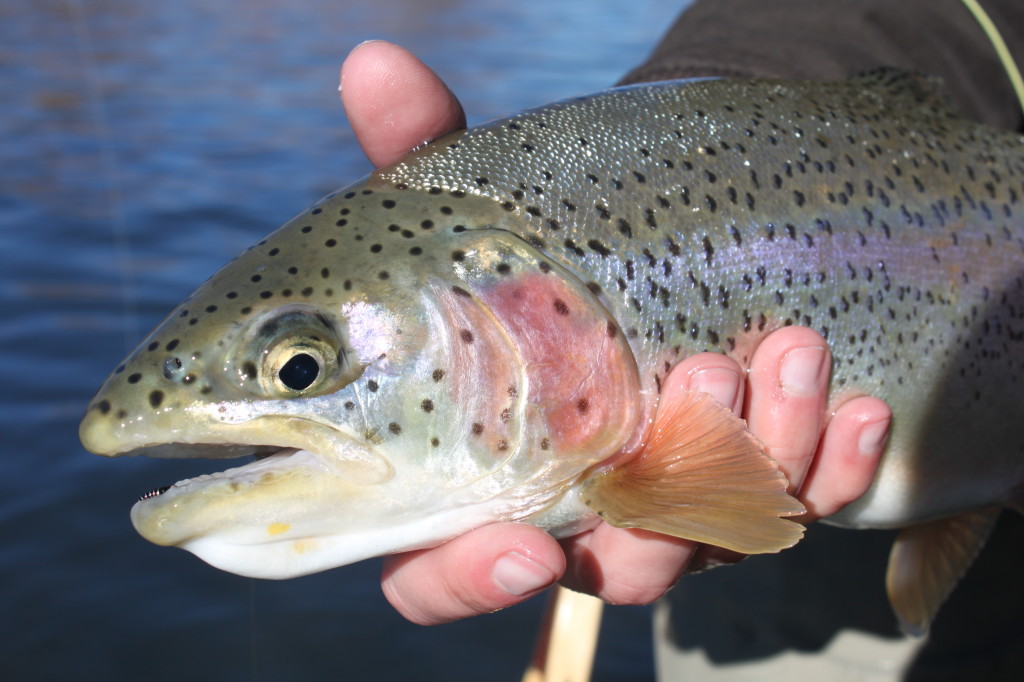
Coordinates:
[480,331]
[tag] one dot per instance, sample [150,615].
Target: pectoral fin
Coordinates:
[928,560]
[702,477]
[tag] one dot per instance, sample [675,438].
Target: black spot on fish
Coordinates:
[735,235]
[599,248]
[571,245]
[582,405]
[395,428]
[477,428]
[709,250]
[649,219]
[560,307]
[156,398]
[466,336]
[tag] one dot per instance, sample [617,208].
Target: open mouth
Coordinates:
[264,458]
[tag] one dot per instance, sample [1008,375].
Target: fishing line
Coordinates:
[108,162]
[254,659]
[1005,58]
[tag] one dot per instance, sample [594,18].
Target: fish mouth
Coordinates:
[205,451]
[330,450]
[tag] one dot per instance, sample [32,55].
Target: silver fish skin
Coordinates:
[642,225]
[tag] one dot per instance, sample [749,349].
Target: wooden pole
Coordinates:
[567,639]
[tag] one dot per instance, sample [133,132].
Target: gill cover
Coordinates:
[582,379]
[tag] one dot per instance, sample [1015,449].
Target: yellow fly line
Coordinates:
[1000,46]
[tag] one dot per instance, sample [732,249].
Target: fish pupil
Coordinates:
[299,372]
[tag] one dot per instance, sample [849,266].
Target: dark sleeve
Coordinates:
[836,39]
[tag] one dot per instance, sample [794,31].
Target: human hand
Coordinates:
[828,453]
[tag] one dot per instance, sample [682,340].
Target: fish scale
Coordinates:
[865,210]
[480,332]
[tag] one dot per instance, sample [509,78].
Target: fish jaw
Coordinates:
[290,514]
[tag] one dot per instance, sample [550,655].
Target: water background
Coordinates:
[143,144]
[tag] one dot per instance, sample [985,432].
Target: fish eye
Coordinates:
[298,366]
[290,352]
[299,373]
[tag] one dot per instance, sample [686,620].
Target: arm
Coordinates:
[829,453]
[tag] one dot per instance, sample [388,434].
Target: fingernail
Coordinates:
[722,383]
[802,370]
[872,437]
[518,575]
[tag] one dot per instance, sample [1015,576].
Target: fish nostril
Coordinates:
[172,367]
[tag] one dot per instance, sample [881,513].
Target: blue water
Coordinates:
[142,144]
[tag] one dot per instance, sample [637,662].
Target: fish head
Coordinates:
[404,369]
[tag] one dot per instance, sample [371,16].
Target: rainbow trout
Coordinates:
[480,332]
